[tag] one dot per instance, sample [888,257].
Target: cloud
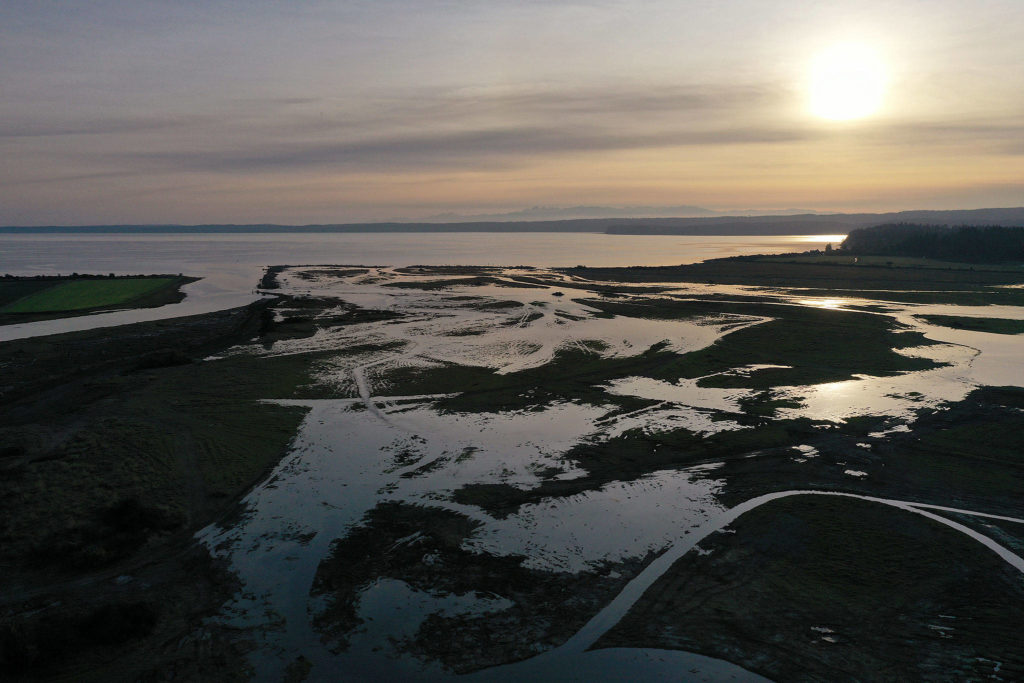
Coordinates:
[990,137]
[627,104]
[475,128]
[474,149]
[471,128]
[479,128]
[284,101]
[621,98]
[38,128]
[72,178]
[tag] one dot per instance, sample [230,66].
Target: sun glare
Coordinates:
[847,82]
[836,239]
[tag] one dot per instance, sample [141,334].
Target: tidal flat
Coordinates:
[498,473]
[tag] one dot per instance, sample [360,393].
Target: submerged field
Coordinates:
[514,473]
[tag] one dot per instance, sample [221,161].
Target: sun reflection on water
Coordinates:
[819,238]
[824,303]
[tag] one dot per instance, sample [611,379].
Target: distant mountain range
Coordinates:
[796,224]
[561,213]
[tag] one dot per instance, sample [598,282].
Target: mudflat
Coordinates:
[426,471]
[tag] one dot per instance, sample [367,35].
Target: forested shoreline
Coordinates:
[965,243]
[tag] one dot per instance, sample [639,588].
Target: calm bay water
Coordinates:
[195,254]
[230,265]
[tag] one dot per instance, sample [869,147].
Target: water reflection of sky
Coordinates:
[231,264]
[346,460]
[898,397]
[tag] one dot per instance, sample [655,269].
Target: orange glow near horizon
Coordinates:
[403,111]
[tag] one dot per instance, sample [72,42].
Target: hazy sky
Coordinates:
[299,112]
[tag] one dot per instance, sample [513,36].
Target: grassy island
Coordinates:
[25,299]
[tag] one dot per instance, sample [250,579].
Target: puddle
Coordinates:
[622,520]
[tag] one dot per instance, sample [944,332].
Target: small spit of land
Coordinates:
[472,467]
[27,299]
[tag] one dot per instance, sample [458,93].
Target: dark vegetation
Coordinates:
[1010,535]
[976,244]
[471,281]
[967,454]
[269,279]
[330,272]
[392,541]
[107,471]
[815,588]
[993,325]
[34,364]
[638,452]
[832,275]
[116,445]
[108,468]
[27,648]
[451,270]
[877,578]
[112,533]
[819,345]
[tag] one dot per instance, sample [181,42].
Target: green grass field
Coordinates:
[13,289]
[77,295]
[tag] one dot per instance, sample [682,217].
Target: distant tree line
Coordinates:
[973,244]
[82,276]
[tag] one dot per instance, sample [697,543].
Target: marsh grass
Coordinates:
[992,325]
[186,438]
[392,541]
[820,588]
[818,345]
[833,274]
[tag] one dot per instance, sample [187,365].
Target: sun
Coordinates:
[847,82]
